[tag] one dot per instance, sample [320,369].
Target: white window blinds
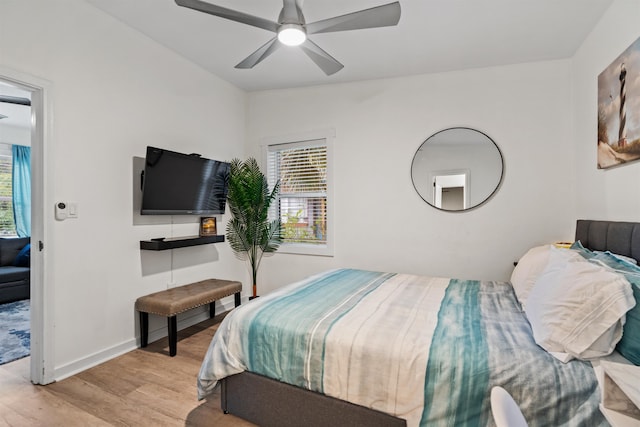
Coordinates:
[301,168]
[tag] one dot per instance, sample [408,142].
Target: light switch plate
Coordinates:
[64,210]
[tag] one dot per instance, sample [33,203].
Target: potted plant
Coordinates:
[250,232]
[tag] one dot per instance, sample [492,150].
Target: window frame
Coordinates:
[300,140]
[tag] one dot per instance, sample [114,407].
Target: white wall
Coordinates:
[610,194]
[15,135]
[115,92]
[380,221]
[14,129]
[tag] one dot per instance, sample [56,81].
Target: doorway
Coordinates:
[451,190]
[41,313]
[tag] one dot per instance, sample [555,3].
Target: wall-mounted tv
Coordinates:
[183,184]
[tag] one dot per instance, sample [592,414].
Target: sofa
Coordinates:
[15,269]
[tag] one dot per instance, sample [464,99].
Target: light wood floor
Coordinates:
[145,387]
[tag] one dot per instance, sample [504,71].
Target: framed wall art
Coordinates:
[619,109]
[208,226]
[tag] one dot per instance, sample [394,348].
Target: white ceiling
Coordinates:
[432,36]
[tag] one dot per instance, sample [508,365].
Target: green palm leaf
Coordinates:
[249,232]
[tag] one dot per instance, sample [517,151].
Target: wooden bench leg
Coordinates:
[212,310]
[173,335]
[237,295]
[144,329]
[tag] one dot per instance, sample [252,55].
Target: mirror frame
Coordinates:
[486,199]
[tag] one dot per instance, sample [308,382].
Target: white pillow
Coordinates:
[530,266]
[528,270]
[578,307]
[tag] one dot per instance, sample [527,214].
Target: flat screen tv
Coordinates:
[183,184]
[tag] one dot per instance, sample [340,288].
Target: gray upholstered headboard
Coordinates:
[618,237]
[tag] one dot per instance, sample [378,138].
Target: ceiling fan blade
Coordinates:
[380,16]
[326,62]
[15,100]
[256,57]
[233,15]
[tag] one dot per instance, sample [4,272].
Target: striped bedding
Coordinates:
[420,348]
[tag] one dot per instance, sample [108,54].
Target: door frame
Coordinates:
[437,189]
[42,310]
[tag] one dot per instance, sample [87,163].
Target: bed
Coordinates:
[353,347]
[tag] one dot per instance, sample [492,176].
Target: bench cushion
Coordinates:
[182,298]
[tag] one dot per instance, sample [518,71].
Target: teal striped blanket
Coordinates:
[420,348]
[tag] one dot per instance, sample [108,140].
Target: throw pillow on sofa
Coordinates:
[23,259]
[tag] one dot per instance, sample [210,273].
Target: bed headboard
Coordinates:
[618,237]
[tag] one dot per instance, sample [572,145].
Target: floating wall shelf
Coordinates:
[161,243]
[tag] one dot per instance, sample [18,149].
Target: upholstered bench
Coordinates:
[176,300]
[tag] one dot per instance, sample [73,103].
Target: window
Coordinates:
[7,224]
[304,198]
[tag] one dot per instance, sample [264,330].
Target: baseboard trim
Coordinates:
[82,364]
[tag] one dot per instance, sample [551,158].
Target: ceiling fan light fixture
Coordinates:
[292,34]
[292,28]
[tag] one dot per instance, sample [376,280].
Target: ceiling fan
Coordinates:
[292,30]
[15,100]
[6,99]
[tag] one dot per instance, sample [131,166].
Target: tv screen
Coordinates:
[183,184]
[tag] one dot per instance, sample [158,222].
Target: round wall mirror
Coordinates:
[457,169]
